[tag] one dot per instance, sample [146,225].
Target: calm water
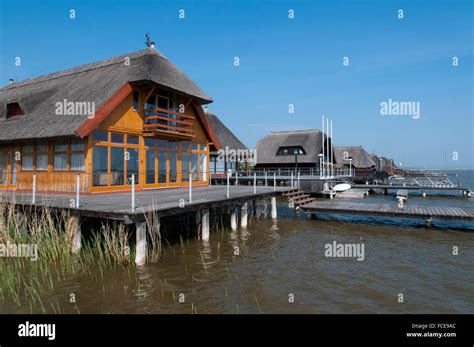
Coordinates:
[259,270]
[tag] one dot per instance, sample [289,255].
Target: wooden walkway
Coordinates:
[163,202]
[392,210]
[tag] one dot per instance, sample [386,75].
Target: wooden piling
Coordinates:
[244,216]
[274,208]
[140,253]
[205,224]
[233,219]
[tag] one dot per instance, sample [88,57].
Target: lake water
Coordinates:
[286,271]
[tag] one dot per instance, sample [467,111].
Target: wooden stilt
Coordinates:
[244,216]
[140,255]
[205,224]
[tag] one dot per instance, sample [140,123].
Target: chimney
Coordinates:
[11,81]
[152,45]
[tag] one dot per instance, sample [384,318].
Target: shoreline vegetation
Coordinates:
[26,282]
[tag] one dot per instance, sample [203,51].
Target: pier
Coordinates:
[139,207]
[427,213]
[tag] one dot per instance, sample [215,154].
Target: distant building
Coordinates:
[355,157]
[232,151]
[291,149]
[384,164]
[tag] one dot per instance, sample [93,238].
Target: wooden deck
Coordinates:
[117,206]
[392,210]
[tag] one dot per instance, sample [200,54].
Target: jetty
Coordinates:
[427,213]
[138,207]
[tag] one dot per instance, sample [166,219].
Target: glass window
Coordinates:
[132,165]
[185,145]
[99,135]
[185,167]
[173,158]
[27,162]
[117,138]
[41,160]
[27,157]
[203,167]
[13,167]
[163,143]
[161,167]
[150,142]
[203,147]
[3,167]
[117,166]
[60,161]
[100,155]
[133,140]
[77,145]
[194,146]
[173,144]
[150,166]
[77,161]
[194,166]
[60,146]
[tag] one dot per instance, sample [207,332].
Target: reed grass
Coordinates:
[26,282]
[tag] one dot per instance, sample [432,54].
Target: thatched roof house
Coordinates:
[84,121]
[278,149]
[360,158]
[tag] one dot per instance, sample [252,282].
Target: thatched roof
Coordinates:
[310,140]
[95,82]
[226,137]
[386,162]
[360,158]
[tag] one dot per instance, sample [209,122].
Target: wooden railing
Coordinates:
[168,121]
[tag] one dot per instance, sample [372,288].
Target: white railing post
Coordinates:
[228,183]
[254,183]
[299,173]
[265,178]
[274,181]
[236,178]
[291,179]
[33,198]
[78,190]
[133,192]
[190,187]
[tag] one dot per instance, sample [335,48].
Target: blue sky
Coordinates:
[282,62]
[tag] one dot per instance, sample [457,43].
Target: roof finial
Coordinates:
[148,42]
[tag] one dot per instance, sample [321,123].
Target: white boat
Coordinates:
[341,187]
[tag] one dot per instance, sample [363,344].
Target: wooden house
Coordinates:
[134,117]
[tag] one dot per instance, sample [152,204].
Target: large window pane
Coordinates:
[100,136]
[3,167]
[100,162]
[185,167]
[203,167]
[194,166]
[27,162]
[77,161]
[161,167]
[133,140]
[173,166]
[60,161]
[150,166]
[60,146]
[77,145]
[117,138]
[132,164]
[117,167]
[41,161]
[12,167]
